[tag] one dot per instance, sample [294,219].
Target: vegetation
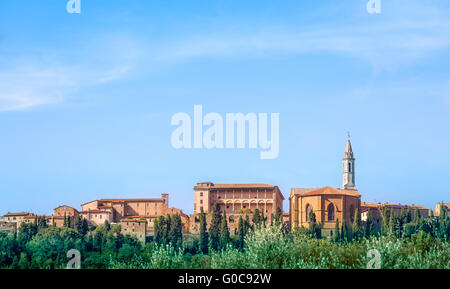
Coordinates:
[404,241]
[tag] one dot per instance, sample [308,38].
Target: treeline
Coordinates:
[405,240]
[168,230]
[39,246]
[403,225]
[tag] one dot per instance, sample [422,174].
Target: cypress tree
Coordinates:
[247,226]
[278,216]
[370,230]
[203,233]
[224,232]
[257,220]
[214,228]
[241,229]
[356,226]
[344,231]
[337,235]
[158,234]
[416,216]
[84,227]
[176,231]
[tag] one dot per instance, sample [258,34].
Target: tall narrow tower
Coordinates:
[348,167]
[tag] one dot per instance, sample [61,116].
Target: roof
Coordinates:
[95,212]
[326,191]
[20,214]
[65,206]
[234,186]
[131,200]
[301,191]
[379,205]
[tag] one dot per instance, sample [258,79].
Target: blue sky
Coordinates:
[86,100]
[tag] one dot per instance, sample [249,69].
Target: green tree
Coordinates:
[356,226]
[214,228]
[257,219]
[344,232]
[370,226]
[224,231]
[337,234]
[315,229]
[176,231]
[278,216]
[203,244]
[241,231]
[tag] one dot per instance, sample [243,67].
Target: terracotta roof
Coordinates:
[21,214]
[331,191]
[131,200]
[69,207]
[301,191]
[235,186]
[379,205]
[95,212]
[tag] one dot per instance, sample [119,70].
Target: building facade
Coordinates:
[328,204]
[234,199]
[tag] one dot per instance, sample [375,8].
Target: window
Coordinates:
[201,201]
[349,167]
[308,212]
[201,194]
[330,212]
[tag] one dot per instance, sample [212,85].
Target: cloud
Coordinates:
[408,33]
[27,82]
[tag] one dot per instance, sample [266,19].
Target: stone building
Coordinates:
[236,198]
[437,209]
[114,210]
[376,211]
[328,203]
[134,227]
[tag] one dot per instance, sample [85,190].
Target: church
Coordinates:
[328,203]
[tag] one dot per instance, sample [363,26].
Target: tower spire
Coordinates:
[348,167]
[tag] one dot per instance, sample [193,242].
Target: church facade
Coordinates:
[328,204]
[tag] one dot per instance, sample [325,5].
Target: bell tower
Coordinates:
[348,167]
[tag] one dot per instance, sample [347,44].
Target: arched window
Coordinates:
[349,167]
[330,212]
[308,212]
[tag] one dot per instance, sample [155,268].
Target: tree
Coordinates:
[157,231]
[314,228]
[224,232]
[23,262]
[66,221]
[257,219]
[337,235]
[241,231]
[214,228]
[278,216]
[203,244]
[78,224]
[106,223]
[356,226]
[42,223]
[344,232]
[370,226]
[176,231]
[84,227]
[416,216]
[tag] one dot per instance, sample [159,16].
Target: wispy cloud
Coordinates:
[30,81]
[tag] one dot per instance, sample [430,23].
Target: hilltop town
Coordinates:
[136,216]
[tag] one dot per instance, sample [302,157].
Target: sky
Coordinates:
[86,100]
